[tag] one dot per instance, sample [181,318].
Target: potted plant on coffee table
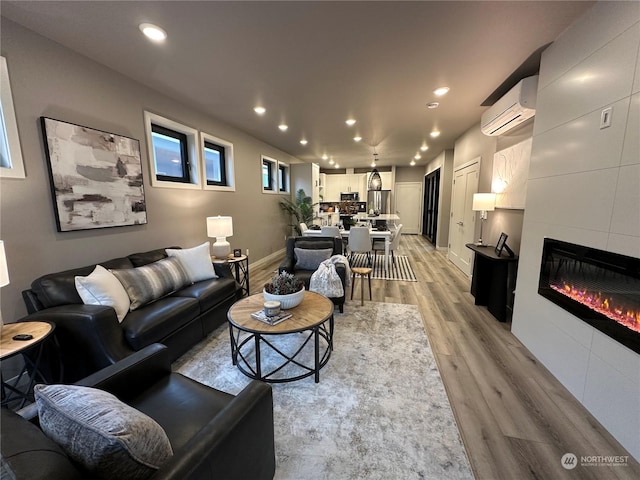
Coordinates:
[286,289]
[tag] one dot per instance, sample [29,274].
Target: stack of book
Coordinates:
[276,319]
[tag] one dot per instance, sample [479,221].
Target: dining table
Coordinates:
[373,233]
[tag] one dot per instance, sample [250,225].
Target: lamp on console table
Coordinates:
[483,203]
[4,273]
[220,228]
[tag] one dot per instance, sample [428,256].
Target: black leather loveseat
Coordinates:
[90,336]
[290,263]
[214,435]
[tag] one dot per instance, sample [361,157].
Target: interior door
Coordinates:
[408,196]
[462,227]
[430,206]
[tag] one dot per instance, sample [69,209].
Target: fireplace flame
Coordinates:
[603,305]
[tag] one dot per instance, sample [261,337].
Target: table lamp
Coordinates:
[483,203]
[4,273]
[219,228]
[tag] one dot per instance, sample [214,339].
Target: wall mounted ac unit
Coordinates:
[518,105]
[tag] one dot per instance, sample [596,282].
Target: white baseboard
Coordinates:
[267,259]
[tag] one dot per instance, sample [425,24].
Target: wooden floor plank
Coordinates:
[516,420]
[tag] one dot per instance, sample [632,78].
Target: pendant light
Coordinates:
[375,181]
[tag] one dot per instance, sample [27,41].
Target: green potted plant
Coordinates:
[300,210]
[286,289]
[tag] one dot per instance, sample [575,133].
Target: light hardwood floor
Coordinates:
[516,420]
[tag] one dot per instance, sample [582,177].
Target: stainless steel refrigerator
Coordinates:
[379,201]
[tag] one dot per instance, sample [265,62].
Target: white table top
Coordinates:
[345,233]
[383,216]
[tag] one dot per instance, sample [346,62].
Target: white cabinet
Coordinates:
[306,176]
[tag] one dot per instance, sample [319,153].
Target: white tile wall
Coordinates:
[601,79]
[597,27]
[584,188]
[580,145]
[631,149]
[625,219]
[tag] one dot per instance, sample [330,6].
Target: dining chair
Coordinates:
[303,227]
[378,244]
[359,242]
[328,231]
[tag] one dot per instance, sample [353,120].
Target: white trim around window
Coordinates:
[192,152]
[12,164]
[269,174]
[228,163]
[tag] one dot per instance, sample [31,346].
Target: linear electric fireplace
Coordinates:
[601,288]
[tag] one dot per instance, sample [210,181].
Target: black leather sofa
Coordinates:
[90,336]
[214,435]
[314,243]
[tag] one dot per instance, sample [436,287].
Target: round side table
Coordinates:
[10,346]
[241,270]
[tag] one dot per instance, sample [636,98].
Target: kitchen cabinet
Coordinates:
[306,176]
[339,183]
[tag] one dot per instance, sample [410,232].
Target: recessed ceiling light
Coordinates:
[303,142]
[373,164]
[424,148]
[337,166]
[433,105]
[412,163]
[350,121]
[153,32]
[283,127]
[417,156]
[435,133]
[441,91]
[325,157]
[260,110]
[330,162]
[357,138]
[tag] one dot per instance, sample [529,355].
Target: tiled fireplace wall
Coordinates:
[584,188]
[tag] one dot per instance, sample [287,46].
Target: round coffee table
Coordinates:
[251,339]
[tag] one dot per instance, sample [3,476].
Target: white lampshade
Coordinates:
[219,228]
[4,272]
[484,202]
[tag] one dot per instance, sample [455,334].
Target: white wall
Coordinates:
[584,187]
[50,80]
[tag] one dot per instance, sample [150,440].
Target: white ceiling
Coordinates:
[314,64]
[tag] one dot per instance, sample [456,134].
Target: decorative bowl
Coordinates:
[286,301]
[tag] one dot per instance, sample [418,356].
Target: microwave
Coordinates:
[353,196]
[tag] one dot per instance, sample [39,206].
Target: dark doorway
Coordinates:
[431,200]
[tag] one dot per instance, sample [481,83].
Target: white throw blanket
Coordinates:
[326,281]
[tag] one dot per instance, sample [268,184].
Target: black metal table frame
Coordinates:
[242,273]
[316,332]
[31,367]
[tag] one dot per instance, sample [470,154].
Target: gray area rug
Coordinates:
[400,270]
[380,410]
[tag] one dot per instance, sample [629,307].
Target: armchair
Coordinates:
[289,264]
[214,435]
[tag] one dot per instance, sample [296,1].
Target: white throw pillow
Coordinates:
[196,261]
[101,287]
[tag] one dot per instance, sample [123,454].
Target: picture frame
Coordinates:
[95,176]
[237,252]
[502,241]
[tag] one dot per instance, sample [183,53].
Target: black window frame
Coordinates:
[184,152]
[269,164]
[223,163]
[282,175]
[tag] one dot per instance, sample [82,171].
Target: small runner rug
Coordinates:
[380,411]
[401,270]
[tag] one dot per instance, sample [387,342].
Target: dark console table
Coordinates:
[493,281]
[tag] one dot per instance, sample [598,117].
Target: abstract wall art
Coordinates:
[96,177]
[510,173]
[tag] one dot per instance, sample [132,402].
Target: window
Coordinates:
[11,164]
[283,178]
[268,174]
[217,156]
[170,155]
[173,156]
